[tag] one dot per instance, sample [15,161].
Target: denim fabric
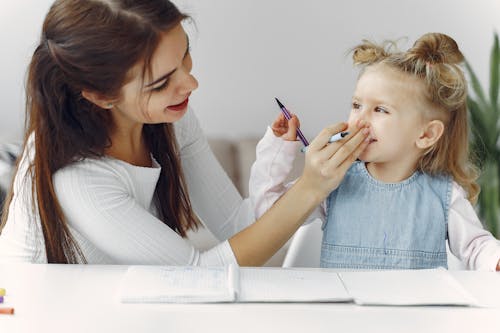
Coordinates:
[375,225]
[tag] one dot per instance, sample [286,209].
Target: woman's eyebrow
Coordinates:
[160,79]
[173,70]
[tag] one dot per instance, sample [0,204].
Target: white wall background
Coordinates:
[247,52]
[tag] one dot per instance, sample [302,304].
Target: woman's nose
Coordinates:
[187,84]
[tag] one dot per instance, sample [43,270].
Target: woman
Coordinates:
[110,142]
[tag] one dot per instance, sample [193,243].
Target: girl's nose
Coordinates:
[365,115]
[360,116]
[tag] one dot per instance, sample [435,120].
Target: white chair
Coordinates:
[305,249]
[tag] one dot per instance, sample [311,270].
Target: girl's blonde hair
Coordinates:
[435,59]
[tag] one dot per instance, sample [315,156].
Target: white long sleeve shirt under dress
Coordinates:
[110,211]
[467,239]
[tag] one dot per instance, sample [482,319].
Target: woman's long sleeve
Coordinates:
[214,197]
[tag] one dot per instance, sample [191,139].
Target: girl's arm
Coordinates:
[273,164]
[467,238]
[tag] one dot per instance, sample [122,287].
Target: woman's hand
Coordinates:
[327,163]
[325,166]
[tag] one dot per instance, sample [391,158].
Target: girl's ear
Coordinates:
[431,133]
[97,99]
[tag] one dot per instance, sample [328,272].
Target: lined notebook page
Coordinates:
[170,284]
[290,285]
[406,287]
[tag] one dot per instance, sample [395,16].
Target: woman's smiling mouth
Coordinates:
[179,107]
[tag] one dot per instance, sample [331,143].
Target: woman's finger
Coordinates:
[327,152]
[347,148]
[331,166]
[321,139]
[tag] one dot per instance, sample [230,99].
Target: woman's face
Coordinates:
[163,95]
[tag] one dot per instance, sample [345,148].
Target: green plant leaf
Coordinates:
[494,74]
[476,86]
[479,123]
[484,117]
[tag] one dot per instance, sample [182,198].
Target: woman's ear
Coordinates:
[431,133]
[97,99]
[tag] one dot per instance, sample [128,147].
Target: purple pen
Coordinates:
[288,116]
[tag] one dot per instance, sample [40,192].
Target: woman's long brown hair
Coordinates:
[90,45]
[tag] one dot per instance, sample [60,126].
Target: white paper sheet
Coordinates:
[291,285]
[171,284]
[406,287]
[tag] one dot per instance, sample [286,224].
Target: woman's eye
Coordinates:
[161,87]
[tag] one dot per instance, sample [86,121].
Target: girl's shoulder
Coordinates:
[458,192]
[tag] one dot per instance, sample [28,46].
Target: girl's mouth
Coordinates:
[179,107]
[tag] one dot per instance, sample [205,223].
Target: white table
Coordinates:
[82,298]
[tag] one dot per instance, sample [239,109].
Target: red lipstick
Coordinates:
[180,106]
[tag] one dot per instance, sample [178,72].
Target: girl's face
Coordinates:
[390,101]
[163,96]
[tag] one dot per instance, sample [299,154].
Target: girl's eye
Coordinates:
[356,106]
[382,110]
[161,87]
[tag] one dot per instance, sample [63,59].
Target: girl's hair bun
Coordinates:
[368,53]
[436,48]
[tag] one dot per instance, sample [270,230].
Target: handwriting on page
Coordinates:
[194,278]
[175,284]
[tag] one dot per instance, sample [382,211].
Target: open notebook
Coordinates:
[168,284]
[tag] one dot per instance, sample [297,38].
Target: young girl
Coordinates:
[106,178]
[414,186]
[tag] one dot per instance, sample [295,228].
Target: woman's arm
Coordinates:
[109,207]
[325,166]
[467,238]
[21,239]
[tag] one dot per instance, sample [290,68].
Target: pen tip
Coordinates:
[279,103]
